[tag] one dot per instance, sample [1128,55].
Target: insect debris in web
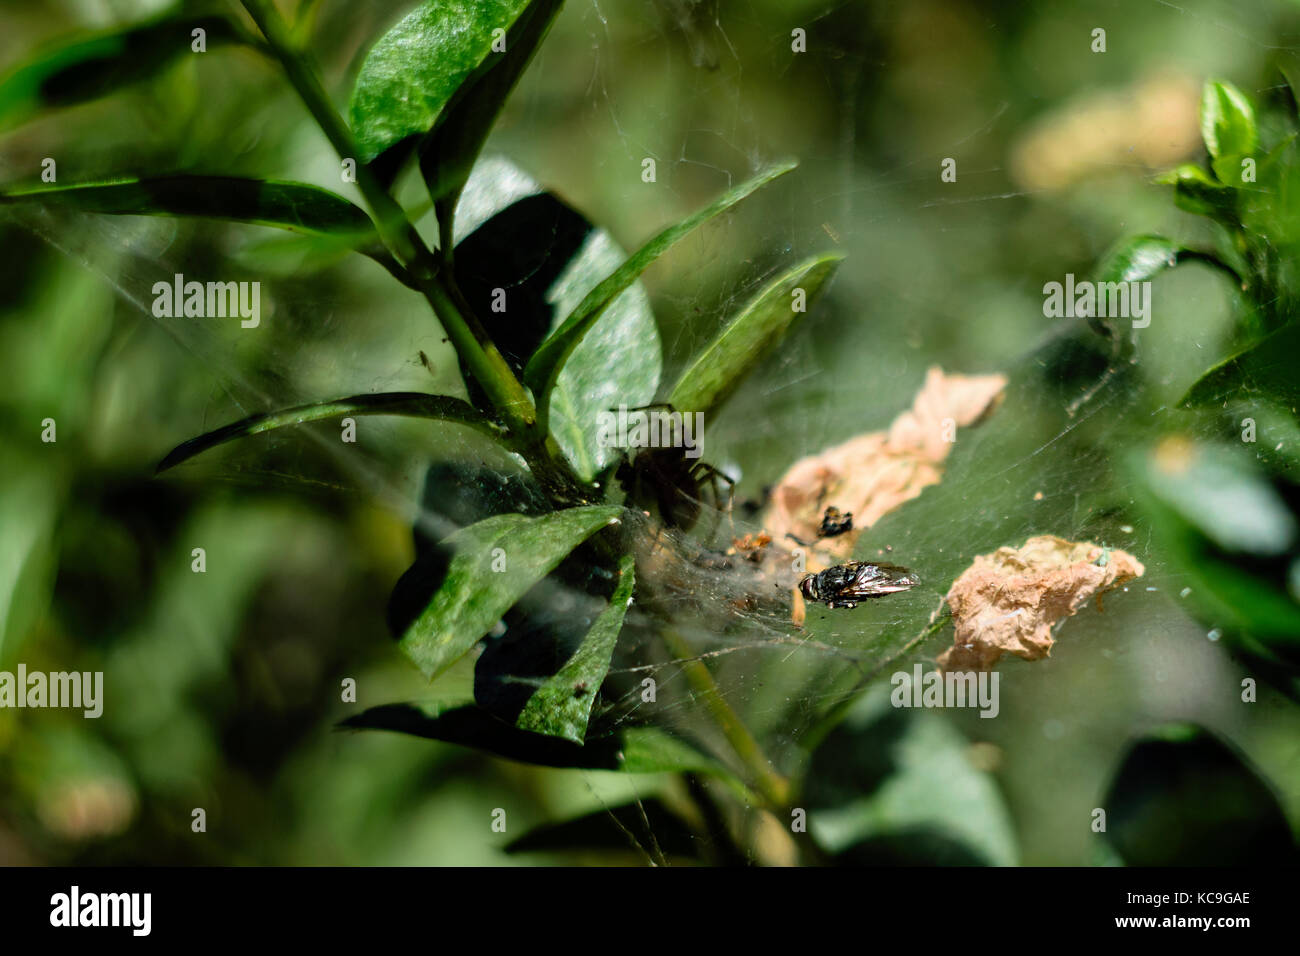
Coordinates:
[835,522]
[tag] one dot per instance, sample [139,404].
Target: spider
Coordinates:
[676,485]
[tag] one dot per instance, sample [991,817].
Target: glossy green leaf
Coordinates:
[448,156]
[1182,797]
[561,707]
[546,364]
[619,360]
[1139,258]
[548,257]
[410,404]
[1227,122]
[474,595]
[1270,208]
[751,336]
[410,75]
[1268,368]
[95,66]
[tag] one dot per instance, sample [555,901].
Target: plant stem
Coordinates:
[773,787]
[468,337]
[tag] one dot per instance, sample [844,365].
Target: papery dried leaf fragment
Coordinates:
[874,473]
[1007,602]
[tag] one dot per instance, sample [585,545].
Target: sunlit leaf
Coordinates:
[561,707]
[1227,123]
[750,336]
[447,158]
[413,71]
[1139,258]
[546,364]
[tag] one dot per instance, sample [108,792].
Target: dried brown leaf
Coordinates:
[1007,602]
[874,473]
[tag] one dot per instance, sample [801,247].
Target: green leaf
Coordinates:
[546,364]
[93,67]
[1139,258]
[1225,499]
[1267,368]
[518,237]
[1184,798]
[618,361]
[750,336]
[630,749]
[895,785]
[1196,192]
[1227,123]
[1184,489]
[474,595]
[409,76]
[561,707]
[298,207]
[410,404]
[448,156]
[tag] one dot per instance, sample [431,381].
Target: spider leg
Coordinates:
[704,473]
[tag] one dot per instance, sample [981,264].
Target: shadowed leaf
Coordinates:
[1267,368]
[630,749]
[285,205]
[1183,798]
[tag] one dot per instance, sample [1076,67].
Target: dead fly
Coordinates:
[835,522]
[846,584]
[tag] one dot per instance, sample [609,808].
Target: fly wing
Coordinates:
[875,580]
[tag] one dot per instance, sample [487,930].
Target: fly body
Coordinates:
[846,584]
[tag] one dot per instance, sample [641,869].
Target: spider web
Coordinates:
[933,276]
